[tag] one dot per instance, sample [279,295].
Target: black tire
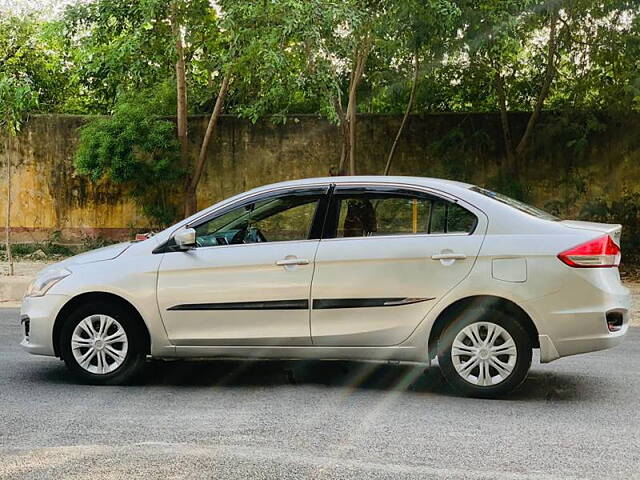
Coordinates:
[522,357]
[135,357]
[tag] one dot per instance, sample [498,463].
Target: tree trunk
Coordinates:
[345,135]
[504,120]
[202,156]
[181,109]
[414,83]
[546,85]
[344,152]
[8,224]
[349,140]
[181,83]
[351,124]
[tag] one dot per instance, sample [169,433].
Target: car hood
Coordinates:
[98,255]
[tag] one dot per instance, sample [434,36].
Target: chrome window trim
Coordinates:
[212,211]
[279,242]
[439,193]
[401,236]
[238,203]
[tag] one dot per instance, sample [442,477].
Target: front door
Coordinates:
[248,281]
[390,255]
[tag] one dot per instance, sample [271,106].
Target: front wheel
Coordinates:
[484,353]
[102,344]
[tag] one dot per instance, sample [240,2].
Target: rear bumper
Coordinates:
[550,350]
[39,313]
[574,319]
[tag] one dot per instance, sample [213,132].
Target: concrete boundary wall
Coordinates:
[49,196]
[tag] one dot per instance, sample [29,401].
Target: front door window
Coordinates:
[280,219]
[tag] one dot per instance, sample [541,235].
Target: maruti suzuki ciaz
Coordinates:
[390,269]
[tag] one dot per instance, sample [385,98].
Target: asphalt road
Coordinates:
[575,418]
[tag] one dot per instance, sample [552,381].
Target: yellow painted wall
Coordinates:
[48,196]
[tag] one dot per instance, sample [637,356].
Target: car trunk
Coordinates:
[614,230]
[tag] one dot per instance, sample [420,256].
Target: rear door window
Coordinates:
[371,212]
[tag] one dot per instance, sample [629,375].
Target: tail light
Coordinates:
[601,252]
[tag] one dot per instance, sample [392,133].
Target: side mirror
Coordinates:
[185,239]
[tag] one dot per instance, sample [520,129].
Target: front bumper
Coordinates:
[39,314]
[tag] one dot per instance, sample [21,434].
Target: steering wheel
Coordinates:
[248,235]
[239,236]
[210,240]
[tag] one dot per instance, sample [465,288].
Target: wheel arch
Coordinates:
[505,305]
[91,297]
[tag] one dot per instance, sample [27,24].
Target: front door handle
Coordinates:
[292,261]
[448,256]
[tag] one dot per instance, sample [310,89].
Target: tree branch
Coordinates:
[414,83]
[361,56]
[211,127]
[546,85]
[8,224]
[504,119]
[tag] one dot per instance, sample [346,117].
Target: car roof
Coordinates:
[504,218]
[423,181]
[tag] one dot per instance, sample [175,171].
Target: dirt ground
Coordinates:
[26,268]
[635,302]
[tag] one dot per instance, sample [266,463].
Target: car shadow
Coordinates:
[352,374]
[539,385]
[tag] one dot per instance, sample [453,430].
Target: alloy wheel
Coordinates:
[484,354]
[99,344]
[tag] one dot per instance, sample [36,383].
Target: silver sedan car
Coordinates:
[389,269]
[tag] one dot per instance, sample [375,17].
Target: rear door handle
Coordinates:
[292,261]
[448,256]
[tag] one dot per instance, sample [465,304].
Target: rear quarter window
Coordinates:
[517,204]
[447,217]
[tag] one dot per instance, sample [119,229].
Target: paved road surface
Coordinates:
[575,418]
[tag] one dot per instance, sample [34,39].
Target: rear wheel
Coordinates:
[484,353]
[102,344]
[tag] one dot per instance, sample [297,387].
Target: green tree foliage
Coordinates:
[533,55]
[601,69]
[115,49]
[243,58]
[335,58]
[81,62]
[32,51]
[137,149]
[17,100]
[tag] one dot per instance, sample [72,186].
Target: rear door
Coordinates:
[388,255]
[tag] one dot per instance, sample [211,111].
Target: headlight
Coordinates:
[45,281]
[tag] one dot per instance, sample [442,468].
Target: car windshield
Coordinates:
[517,204]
